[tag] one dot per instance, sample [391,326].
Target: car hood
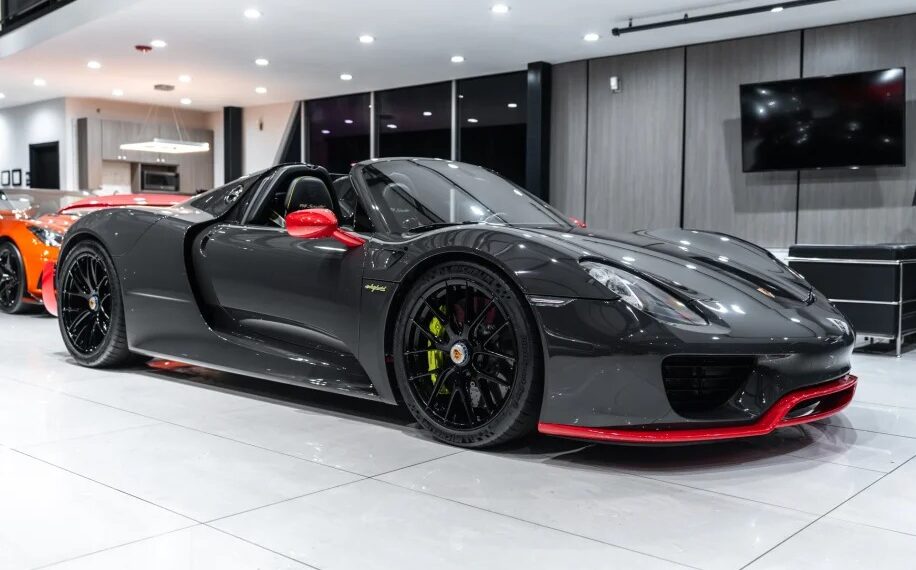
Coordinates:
[58,223]
[734,283]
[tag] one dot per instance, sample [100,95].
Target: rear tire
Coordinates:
[12,281]
[467,357]
[91,309]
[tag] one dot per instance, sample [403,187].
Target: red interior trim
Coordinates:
[774,418]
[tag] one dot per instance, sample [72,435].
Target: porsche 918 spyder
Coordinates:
[447,288]
[31,230]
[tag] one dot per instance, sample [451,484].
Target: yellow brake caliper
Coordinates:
[434,357]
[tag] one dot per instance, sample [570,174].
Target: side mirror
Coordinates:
[319,223]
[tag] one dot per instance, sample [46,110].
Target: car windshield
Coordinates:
[419,194]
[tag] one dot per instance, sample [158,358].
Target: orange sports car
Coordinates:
[32,226]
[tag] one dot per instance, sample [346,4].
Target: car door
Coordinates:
[268,284]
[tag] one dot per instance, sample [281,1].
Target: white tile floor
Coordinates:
[144,469]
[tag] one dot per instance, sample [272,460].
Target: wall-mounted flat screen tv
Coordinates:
[851,120]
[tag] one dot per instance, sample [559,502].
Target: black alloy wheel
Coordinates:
[86,302]
[465,357]
[12,280]
[91,315]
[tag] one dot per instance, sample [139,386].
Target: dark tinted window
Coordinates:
[413,194]
[338,131]
[492,119]
[415,121]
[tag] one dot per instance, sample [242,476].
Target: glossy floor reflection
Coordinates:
[196,469]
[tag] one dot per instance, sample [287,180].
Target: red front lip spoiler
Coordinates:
[842,390]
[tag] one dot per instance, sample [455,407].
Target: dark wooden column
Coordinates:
[232,143]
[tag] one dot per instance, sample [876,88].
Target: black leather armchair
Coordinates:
[874,285]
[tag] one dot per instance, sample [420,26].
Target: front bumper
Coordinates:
[603,366]
[810,405]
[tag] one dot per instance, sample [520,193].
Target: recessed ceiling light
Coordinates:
[262,61]
[2,95]
[252,13]
[186,101]
[346,77]
[158,44]
[500,8]
[348,121]
[325,132]
[39,82]
[457,59]
[94,65]
[777,9]
[427,113]
[512,105]
[366,39]
[391,126]
[184,78]
[591,37]
[117,92]
[260,90]
[472,120]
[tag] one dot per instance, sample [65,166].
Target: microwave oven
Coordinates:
[160,180]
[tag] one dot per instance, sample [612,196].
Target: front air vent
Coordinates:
[698,384]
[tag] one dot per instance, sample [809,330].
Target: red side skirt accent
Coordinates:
[828,399]
[48,293]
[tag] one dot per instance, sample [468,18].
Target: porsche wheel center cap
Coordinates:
[93,303]
[459,353]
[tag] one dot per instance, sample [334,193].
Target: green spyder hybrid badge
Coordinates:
[376,288]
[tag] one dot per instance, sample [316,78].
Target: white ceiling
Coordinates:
[311,42]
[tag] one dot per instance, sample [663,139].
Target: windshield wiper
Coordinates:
[437,225]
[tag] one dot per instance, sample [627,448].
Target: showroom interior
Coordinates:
[457,284]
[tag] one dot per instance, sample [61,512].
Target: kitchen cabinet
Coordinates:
[100,140]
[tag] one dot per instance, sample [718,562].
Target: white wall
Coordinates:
[36,123]
[263,130]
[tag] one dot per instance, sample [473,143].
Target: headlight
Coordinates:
[640,294]
[46,236]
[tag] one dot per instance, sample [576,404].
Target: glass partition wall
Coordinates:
[338,131]
[415,121]
[482,120]
[492,123]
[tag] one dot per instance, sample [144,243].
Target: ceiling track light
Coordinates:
[775,7]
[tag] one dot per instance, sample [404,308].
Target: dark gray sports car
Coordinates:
[443,286]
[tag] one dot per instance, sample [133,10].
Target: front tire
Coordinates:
[466,357]
[12,280]
[91,310]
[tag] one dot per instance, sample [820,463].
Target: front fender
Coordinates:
[535,264]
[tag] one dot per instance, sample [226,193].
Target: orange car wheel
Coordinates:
[12,280]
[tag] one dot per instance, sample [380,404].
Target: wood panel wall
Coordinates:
[871,205]
[718,195]
[635,140]
[568,116]
[678,112]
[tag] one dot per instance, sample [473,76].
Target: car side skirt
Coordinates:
[826,400]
